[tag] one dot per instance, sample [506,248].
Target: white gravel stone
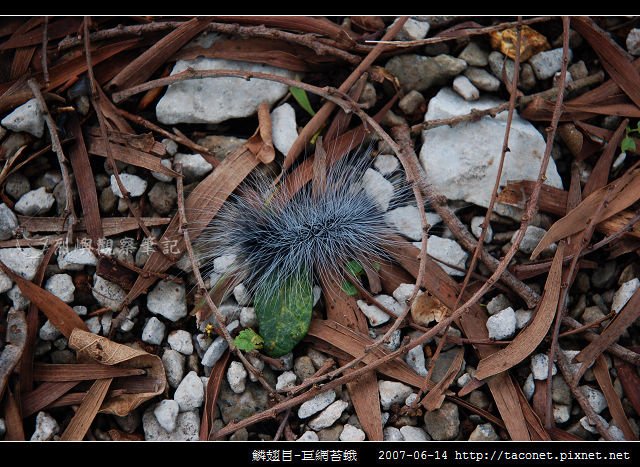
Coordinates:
[561,413]
[222,263]
[161,176]
[461,162]
[474,55]
[415,360]
[237,377]
[391,433]
[28,118]
[529,387]
[390,304]
[378,188]
[166,412]
[405,220]
[107,293]
[548,63]
[258,364]
[190,393]
[616,433]
[386,164]
[309,436]
[35,203]
[633,43]
[532,237]
[283,121]
[316,404]
[286,380]
[20,302]
[241,294]
[46,427]
[127,325]
[82,310]
[3,427]
[248,318]
[392,392]
[414,433]
[412,30]
[173,363]
[449,251]
[5,282]
[482,79]
[48,332]
[463,380]
[374,314]
[153,332]
[61,285]
[586,424]
[8,222]
[217,347]
[522,318]
[180,340]
[476,229]
[194,166]
[624,293]
[93,324]
[22,261]
[411,398]
[540,366]
[502,325]
[497,304]
[168,299]
[570,354]
[463,86]
[76,259]
[352,433]
[403,293]
[596,399]
[328,416]
[484,432]
[214,100]
[187,427]
[135,185]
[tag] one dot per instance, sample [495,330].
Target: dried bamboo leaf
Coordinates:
[43,395]
[59,313]
[15,341]
[80,372]
[630,382]
[600,173]
[617,195]
[87,411]
[12,419]
[143,67]
[87,191]
[614,330]
[110,225]
[434,399]
[614,59]
[601,372]
[529,338]
[64,26]
[91,347]
[217,376]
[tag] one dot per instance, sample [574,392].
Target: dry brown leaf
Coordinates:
[15,342]
[144,65]
[630,382]
[426,308]
[80,372]
[87,191]
[601,372]
[43,395]
[59,313]
[110,225]
[614,59]
[87,411]
[434,399]
[12,419]
[530,337]
[91,347]
[600,173]
[217,376]
[616,196]
[619,324]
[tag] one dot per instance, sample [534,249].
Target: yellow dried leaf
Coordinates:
[532,42]
[427,308]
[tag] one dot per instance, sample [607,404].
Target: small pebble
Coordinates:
[48,332]
[248,318]
[561,413]
[463,86]
[378,188]
[173,363]
[194,166]
[374,314]
[391,433]
[16,185]
[633,42]
[412,30]
[529,387]
[546,64]
[484,432]
[406,220]
[414,433]
[168,299]
[532,237]
[474,55]
[443,424]
[35,203]
[415,360]
[46,427]
[283,121]
[223,263]
[392,392]
[309,436]
[190,393]
[180,340]
[61,285]
[286,380]
[540,367]
[28,118]
[153,332]
[316,404]
[502,325]
[237,377]
[134,185]
[107,293]
[522,318]
[328,416]
[624,294]
[166,413]
[476,229]
[482,79]
[8,222]
[303,368]
[409,104]
[352,433]
[596,399]
[497,304]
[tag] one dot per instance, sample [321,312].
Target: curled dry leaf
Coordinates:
[426,308]
[532,42]
[93,348]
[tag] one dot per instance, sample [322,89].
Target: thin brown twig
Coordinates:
[69,211]
[45,41]
[307,40]
[283,424]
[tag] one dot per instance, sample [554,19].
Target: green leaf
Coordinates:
[247,340]
[628,144]
[300,95]
[284,312]
[354,268]
[349,288]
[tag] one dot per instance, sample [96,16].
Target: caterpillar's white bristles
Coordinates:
[274,237]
